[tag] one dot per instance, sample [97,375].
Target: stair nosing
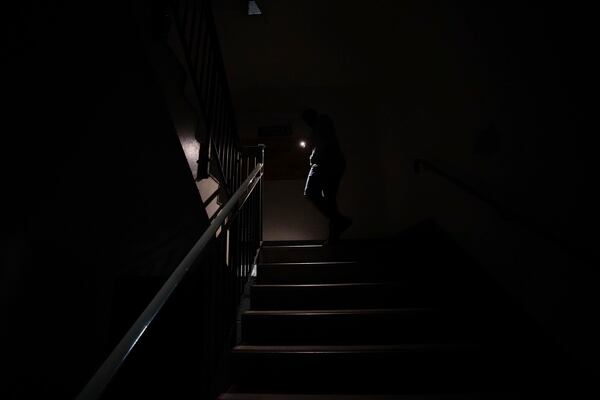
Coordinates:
[357,311]
[320,396]
[341,349]
[287,263]
[276,246]
[326,285]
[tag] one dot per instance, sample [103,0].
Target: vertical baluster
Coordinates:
[225,143]
[257,219]
[219,106]
[253,205]
[253,221]
[232,159]
[179,10]
[193,22]
[248,235]
[206,85]
[215,124]
[249,208]
[187,27]
[233,155]
[216,104]
[181,16]
[233,261]
[228,156]
[241,243]
[208,78]
[235,168]
[248,239]
[242,232]
[197,29]
[214,85]
[262,191]
[241,168]
[219,127]
[203,62]
[238,270]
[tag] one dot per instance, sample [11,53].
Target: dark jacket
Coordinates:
[326,149]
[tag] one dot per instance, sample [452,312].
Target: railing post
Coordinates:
[261,148]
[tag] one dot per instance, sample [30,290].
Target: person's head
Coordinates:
[310,116]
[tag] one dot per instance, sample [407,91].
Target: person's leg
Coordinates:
[338,223]
[314,188]
[331,185]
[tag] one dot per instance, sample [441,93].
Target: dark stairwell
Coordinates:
[121,151]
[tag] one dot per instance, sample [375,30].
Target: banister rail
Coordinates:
[510,215]
[197,32]
[421,165]
[97,384]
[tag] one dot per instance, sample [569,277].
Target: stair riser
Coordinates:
[356,373]
[339,298]
[281,396]
[315,273]
[349,329]
[309,273]
[304,254]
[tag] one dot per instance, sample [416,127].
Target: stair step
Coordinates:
[287,396]
[339,296]
[345,349]
[375,326]
[309,272]
[327,272]
[290,243]
[305,253]
[390,369]
[347,249]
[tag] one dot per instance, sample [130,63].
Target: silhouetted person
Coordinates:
[327,166]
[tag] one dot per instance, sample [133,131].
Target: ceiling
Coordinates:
[315,43]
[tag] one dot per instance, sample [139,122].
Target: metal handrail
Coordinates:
[420,164]
[507,214]
[98,383]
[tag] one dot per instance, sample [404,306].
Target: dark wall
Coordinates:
[498,94]
[96,190]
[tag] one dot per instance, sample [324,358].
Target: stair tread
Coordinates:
[338,312]
[288,396]
[291,243]
[388,348]
[326,285]
[300,263]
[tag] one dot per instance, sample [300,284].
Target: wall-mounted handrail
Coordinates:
[421,165]
[109,368]
[506,213]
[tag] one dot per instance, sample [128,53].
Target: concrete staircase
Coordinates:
[360,321]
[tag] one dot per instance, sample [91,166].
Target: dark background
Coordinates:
[498,94]
[95,184]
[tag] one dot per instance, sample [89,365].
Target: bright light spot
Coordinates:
[303,144]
